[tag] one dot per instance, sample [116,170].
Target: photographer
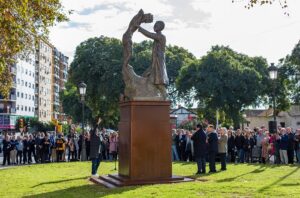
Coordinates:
[95,148]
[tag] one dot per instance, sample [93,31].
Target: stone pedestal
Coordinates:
[144,145]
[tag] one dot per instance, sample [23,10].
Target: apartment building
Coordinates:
[37,81]
[60,76]
[21,98]
[43,81]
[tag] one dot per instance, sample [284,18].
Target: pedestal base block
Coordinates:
[115,181]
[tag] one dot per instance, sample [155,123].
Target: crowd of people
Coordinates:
[43,147]
[200,145]
[236,146]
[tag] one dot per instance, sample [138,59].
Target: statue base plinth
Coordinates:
[145,155]
[116,181]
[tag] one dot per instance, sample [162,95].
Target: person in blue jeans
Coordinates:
[95,148]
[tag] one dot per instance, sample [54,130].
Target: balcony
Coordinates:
[8,110]
[12,97]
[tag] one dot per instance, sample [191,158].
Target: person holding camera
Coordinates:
[95,148]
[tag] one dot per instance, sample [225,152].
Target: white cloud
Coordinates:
[193,24]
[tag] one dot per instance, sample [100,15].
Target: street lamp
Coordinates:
[273,72]
[82,91]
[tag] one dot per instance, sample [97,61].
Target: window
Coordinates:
[22,108]
[25,108]
[18,107]
[18,94]
[18,81]
[32,109]
[25,84]
[29,85]
[29,109]
[29,97]
[22,82]
[25,96]
[26,71]
[29,73]
[22,95]
[32,97]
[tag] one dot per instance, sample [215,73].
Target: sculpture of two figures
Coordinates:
[152,84]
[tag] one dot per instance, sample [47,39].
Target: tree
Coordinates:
[252,3]
[289,74]
[98,63]
[71,104]
[225,80]
[20,23]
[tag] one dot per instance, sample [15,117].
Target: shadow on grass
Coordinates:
[182,163]
[58,181]
[84,191]
[280,179]
[230,179]
[290,185]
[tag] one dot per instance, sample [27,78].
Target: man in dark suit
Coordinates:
[212,139]
[199,141]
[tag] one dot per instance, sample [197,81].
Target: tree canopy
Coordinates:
[225,80]
[20,23]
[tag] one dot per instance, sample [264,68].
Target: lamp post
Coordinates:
[82,91]
[273,72]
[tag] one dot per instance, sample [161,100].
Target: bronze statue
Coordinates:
[152,85]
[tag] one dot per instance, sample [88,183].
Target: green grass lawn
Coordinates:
[71,180]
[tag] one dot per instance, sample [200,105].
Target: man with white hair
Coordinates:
[222,147]
[283,145]
[259,138]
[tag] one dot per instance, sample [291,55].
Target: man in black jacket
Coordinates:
[6,150]
[212,139]
[95,148]
[291,145]
[199,141]
[239,143]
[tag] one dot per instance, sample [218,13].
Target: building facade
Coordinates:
[43,81]
[59,78]
[21,99]
[258,118]
[180,115]
[37,81]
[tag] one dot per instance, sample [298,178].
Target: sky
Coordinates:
[196,25]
